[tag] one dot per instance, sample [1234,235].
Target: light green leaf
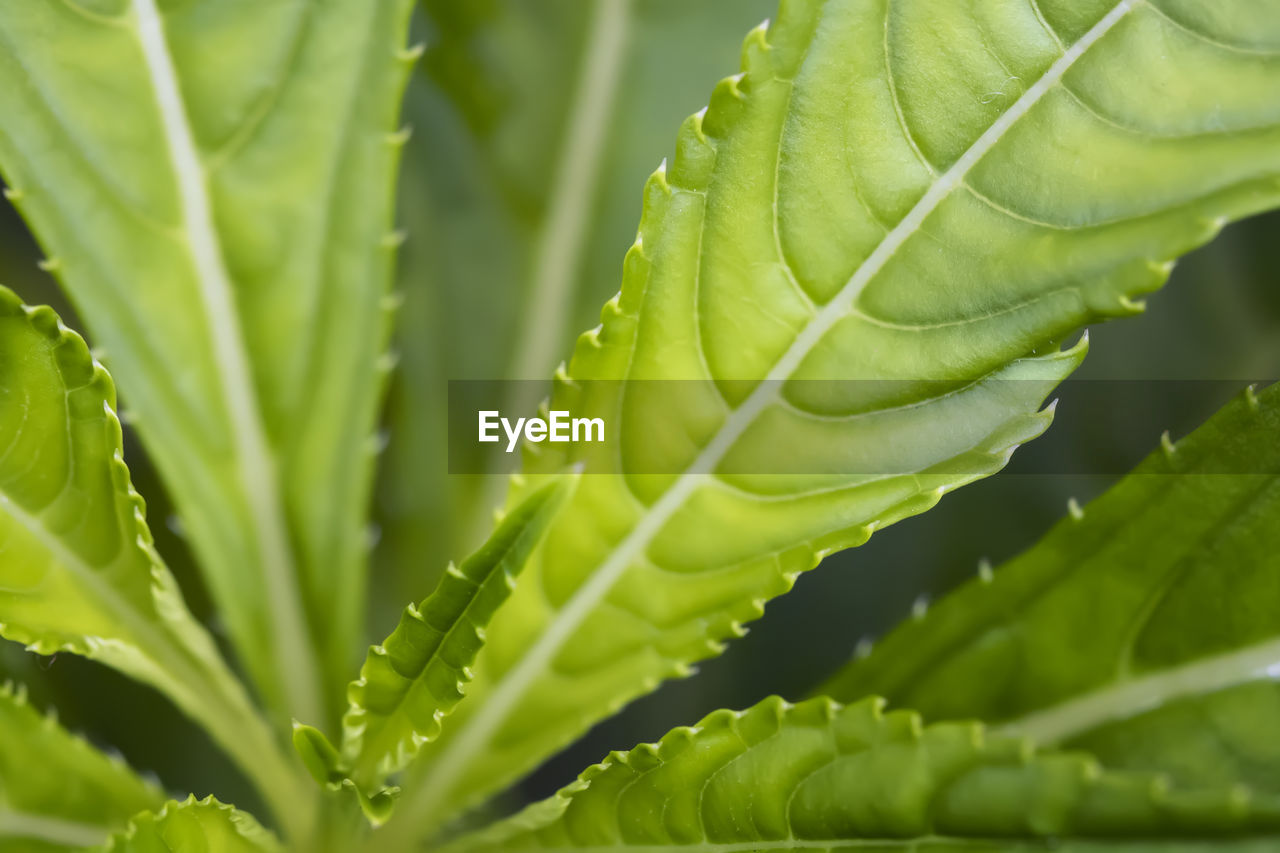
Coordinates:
[418,675]
[1141,627]
[194,825]
[318,754]
[820,775]
[160,152]
[825,219]
[535,125]
[78,572]
[57,792]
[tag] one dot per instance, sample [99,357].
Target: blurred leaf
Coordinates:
[418,675]
[318,754]
[162,171]
[518,193]
[57,790]
[190,826]
[823,221]
[819,775]
[78,571]
[1141,627]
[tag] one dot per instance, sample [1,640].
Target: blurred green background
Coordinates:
[494,107]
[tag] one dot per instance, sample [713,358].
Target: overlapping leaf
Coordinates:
[417,676]
[887,192]
[536,123]
[194,825]
[1141,628]
[161,153]
[819,775]
[77,569]
[57,792]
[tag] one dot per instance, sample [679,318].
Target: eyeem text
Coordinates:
[557,427]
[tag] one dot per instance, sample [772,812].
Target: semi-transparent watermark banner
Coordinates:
[852,428]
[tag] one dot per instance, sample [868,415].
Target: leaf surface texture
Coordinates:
[58,792]
[194,825]
[880,195]
[78,572]
[418,675]
[537,124]
[820,775]
[161,171]
[1139,628]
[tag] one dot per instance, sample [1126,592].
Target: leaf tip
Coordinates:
[410,55]
[399,138]
[1251,398]
[1132,306]
[1074,510]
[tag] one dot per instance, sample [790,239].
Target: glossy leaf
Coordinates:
[418,675]
[194,825]
[921,195]
[162,172]
[57,792]
[78,572]
[819,775]
[1141,627]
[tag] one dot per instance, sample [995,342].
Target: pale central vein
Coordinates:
[137,629]
[149,644]
[558,254]
[53,830]
[503,699]
[295,663]
[1130,698]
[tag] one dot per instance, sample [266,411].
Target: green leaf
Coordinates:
[536,123]
[57,792]
[318,754]
[948,223]
[194,825]
[819,775]
[163,172]
[78,572]
[1140,627]
[331,772]
[418,675]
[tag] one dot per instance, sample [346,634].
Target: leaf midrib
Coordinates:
[149,641]
[143,636]
[1131,697]
[294,662]
[15,823]
[557,254]
[186,678]
[462,749]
